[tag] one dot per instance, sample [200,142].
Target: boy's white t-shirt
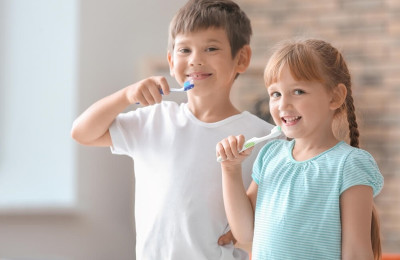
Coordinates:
[179,209]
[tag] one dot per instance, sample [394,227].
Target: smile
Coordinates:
[199,75]
[290,119]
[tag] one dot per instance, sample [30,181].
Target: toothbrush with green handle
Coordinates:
[275,132]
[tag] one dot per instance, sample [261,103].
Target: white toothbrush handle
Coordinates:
[176,89]
[256,140]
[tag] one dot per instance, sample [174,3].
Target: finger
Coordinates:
[233,141]
[248,151]
[163,84]
[147,92]
[140,99]
[220,149]
[240,141]
[231,237]
[142,93]
[229,145]
[156,96]
[223,240]
[226,238]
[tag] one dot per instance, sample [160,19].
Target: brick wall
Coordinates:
[368,34]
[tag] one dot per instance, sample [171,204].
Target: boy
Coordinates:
[179,209]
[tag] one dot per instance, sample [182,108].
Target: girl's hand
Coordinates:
[229,149]
[147,91]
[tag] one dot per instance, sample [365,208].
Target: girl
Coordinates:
[311,197]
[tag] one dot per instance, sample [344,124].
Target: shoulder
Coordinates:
[165,107]
[355,156]
[254,125]
[256,120]
[275,147]
[271,154]
[360,168]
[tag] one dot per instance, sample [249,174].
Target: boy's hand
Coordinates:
[226,239]
[229,149]
[147,91]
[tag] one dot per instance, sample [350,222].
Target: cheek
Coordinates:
[273,107]
[273,110]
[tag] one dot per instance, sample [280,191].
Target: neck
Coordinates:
[211,110]
[305,149]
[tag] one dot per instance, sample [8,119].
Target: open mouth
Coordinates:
[290,120]
[197,76]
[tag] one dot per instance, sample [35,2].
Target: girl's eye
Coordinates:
[183,50]
[275,94]
[299,92]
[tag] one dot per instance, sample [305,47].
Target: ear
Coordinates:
[243,58]
[339,94]
[171,64]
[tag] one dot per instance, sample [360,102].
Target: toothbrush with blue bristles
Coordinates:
[187,85]
[275,132]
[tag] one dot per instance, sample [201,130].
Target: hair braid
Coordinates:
[354,134]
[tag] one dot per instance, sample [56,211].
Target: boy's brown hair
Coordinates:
[203,14]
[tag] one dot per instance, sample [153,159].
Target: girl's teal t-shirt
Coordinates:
[297,212]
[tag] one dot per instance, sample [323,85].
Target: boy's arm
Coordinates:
[91,127]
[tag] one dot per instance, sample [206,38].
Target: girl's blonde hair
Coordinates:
[317,60]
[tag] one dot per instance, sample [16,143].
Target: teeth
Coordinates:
[291,119]
[195,75]
[199,75]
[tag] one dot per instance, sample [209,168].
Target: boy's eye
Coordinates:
[211,49]
[299,92]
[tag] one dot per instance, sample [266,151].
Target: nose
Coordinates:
[196,59]
[284,103]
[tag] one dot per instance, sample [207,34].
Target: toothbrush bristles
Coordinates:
[276,129]
[188,85]
[249,145]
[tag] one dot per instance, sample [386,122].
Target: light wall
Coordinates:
[114,41]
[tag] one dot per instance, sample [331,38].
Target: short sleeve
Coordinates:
[121,134]
[257,166]
[260,162]
[360,168]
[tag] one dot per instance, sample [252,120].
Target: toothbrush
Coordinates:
[275,132]
[187,85]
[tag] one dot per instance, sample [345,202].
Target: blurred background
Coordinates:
[62,201]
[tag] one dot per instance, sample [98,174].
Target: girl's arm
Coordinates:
[239,205]
[91,127]
[356,212]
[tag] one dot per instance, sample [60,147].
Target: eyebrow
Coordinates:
[208,41]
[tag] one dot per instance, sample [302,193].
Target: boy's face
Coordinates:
[205,56]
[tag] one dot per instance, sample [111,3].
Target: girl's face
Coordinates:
[204,56]
[302,109]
